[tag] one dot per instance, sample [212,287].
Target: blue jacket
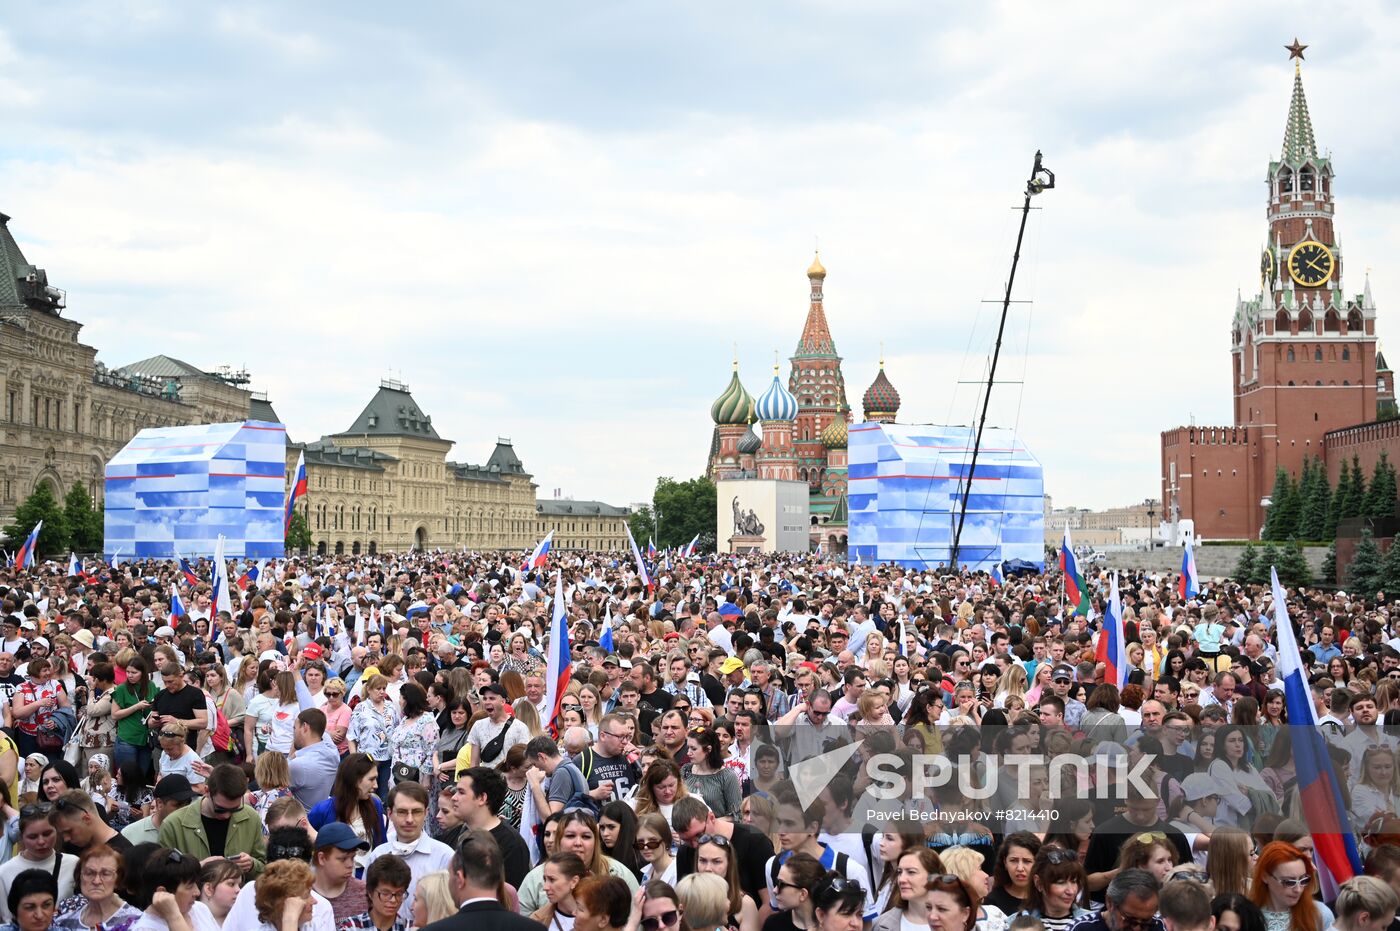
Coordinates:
[324,813]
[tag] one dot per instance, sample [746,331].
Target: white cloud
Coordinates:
[557,252]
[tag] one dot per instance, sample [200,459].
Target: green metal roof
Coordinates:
[392,412]
[1298,142]
[21,284]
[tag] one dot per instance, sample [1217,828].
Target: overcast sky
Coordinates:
[554,220]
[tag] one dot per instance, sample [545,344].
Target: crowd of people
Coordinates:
[782,743]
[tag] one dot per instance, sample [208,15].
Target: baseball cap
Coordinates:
[1063,671]
[612,658]
[340,835]
[311,651]
[733,664]
[165,631]
[269,654]
[1198,785]
[495,689]
[174,787]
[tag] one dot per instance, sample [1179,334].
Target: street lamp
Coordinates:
[1151,534]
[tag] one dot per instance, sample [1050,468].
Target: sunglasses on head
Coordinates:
[717,839]
[1056,855]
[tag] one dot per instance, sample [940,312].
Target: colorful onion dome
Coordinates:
[777,402]
[880,399]
[733,406]
[816,270]
[834,436]
[749,443]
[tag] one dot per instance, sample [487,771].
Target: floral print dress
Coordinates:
[414,742]
[371,728]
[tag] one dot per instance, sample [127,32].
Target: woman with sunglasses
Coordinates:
[1283,887]
[176,757]
[838,903]
[337,714]
[653,845]
[97,906]
[660,909]
[1150,851]
[1059,892]
[953,905]
[714,854]
[797,877]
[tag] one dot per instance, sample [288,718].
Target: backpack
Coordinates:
[579,799]
[221,736]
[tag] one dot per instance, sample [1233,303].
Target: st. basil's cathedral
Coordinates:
[802,434]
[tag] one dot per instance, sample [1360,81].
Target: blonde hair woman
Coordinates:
[1042,682]
[274,779]
[526,714]
[432,899]
[1013,683]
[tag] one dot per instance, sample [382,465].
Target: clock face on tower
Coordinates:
[1266,269]
[1310,263]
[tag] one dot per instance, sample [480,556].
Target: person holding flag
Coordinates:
[1112,646]
[643,576]
[559,665]
[25,555]
[1189,585]
[1076,592]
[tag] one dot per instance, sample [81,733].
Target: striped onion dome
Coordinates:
[749,443]
[733,406]
[880,399]
[834,436]
[777,402]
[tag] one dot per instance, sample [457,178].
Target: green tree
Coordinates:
[1293,568]
[1354,504]
[1269,558]
[84,521]
[1380,495]
[1244,569]
[1317,499]
[1279,501]
[1390,571]
[299,533]
[643,524]
[1364,575]
[40,506]
[1334,507]
[682,510]
[1329,565]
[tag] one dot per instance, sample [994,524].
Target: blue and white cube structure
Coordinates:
[905,485]
[173,490]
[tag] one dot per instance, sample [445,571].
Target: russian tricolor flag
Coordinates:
[559,666]
[75,568]
[641,565]
[24,556]
[1337,856]
[249,577]
[177,607]
[188,572]
[1076,592]
[298,489]
[605,639]
[539,553]
[1189,585]
[651,549]
[1112,647]
[223,599]
[997,579]
[690,547]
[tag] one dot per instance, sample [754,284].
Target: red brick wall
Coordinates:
[1214,484]
[1367,442]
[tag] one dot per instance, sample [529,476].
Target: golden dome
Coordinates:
[816,271]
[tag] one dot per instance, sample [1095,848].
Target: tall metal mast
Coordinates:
[1042,179]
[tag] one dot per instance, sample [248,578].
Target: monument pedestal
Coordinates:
[746,543]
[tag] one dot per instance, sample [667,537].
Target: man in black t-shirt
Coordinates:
[1138,817]
[181,703]
[691,819]
[611,761]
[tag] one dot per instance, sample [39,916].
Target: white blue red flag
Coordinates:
[539,554]
[223,598]
[559,666]
[641,564]
[605,639]
[1189,585]
[249,577]
[75,568]
[1112,647]
[690,547]
[188,572]
[651,548]
[297,490]
[1337,856]
[997,578]
[177,607]
[24,556]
